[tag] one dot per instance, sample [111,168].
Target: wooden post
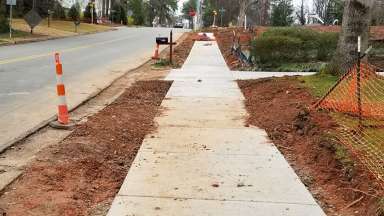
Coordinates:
[358,86]
[171,48]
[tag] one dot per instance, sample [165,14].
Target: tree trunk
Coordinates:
[356,20]
[264,8]
[242,12]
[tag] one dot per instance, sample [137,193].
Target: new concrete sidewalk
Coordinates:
[203,160]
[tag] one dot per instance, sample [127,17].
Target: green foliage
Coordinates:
[74,12]
[88,13]
[119,14]
[4,27]
[138,12]
[131,21]
[282,45]
[300,67]
[282,13]
[335,10]
[162,63]
[59,11]
[208,14]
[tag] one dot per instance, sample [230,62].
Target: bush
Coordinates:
[293,45]
[131,21]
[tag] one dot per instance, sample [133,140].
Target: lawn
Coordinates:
[319,83]
[365,137]
[57,28]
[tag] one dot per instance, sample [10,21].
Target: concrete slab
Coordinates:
[203,160]
[263,178]
[203,93]
[244,75]
[203,103]
[210,140]
[144,206]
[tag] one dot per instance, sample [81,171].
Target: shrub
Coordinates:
[131,21]
[293,45]
[327,45]
[274,50]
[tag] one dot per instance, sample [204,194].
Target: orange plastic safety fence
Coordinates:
[356,103]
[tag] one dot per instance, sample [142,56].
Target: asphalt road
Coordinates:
[27,72]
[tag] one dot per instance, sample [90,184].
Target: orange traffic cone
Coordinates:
[63,121]
[156,56]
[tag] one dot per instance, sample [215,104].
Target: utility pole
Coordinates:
[92,9]
[222,11]
[11,3]
[10,20]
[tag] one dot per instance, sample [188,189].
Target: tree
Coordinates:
[74,12]
[356,20]
[59,11]
[138,12]
[119,13]
[208,14]
[329,10]
[189,6]
[244,5]
[282,13]
[89,9]
[377,13]
[301,13]
[4,27]
[164,10]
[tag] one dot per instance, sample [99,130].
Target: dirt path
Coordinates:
[280,107]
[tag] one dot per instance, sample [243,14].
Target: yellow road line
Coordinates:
[31,57]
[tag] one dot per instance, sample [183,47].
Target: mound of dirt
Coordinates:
[280,106]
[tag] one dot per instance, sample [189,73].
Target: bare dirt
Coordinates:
[183,49]
[88,167]
[280,106]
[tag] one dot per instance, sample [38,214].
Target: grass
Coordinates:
[319,83]
[367,139]
[161,63]
[58,28]
[70,26]
[300,67]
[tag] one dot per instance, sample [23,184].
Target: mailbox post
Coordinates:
[171,48]
[165,41]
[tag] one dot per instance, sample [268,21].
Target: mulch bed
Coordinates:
[87,169]
[280,106]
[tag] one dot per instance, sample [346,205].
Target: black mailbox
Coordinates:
[162,40]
